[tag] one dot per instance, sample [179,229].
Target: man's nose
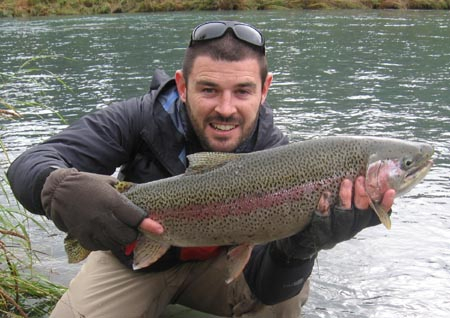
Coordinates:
[226,106]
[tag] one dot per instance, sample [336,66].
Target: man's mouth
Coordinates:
[223,127]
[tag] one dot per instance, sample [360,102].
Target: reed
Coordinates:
[23,291]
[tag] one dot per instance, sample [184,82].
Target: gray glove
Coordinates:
[324,232]
[90,209]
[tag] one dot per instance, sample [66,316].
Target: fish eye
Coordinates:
[408,162]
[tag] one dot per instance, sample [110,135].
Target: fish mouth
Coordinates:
[424,167]
[415,175]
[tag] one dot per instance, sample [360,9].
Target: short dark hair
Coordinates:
[226,48]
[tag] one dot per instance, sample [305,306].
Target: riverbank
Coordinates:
[24,8]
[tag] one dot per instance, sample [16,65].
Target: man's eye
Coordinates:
[208,90]
[243,92]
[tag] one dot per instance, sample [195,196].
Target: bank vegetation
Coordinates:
[24,291]
[21,8]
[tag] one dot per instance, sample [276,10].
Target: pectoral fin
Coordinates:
[147,252]
[382,214]
[237,258]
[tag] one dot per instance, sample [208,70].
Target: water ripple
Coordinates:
[382,73]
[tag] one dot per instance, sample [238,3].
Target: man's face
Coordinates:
[222,100]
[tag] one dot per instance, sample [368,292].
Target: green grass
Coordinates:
[23,291]
[18,8]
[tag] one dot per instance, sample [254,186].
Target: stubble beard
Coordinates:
[203,139]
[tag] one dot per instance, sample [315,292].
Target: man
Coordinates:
[215,103]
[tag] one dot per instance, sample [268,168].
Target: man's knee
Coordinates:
[290,308]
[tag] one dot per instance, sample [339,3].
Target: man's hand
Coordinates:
[333,224]
[90,209]
[361,199]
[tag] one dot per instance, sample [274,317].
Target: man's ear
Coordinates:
[181,85]
[265,88]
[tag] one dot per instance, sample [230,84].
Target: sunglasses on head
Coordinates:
[216,29]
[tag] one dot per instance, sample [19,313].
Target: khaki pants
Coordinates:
[106,288]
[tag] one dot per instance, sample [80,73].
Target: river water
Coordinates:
[383,73]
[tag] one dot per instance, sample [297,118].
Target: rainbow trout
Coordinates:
[244,199]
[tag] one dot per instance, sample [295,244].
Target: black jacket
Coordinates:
[148,138]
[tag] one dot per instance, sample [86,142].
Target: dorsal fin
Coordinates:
[207,161]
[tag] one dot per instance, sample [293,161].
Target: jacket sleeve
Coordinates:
[98,143]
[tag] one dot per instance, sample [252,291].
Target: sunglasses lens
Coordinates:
[207,31]
[248,34]
[214,30]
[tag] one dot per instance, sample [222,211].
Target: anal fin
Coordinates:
[237,258]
